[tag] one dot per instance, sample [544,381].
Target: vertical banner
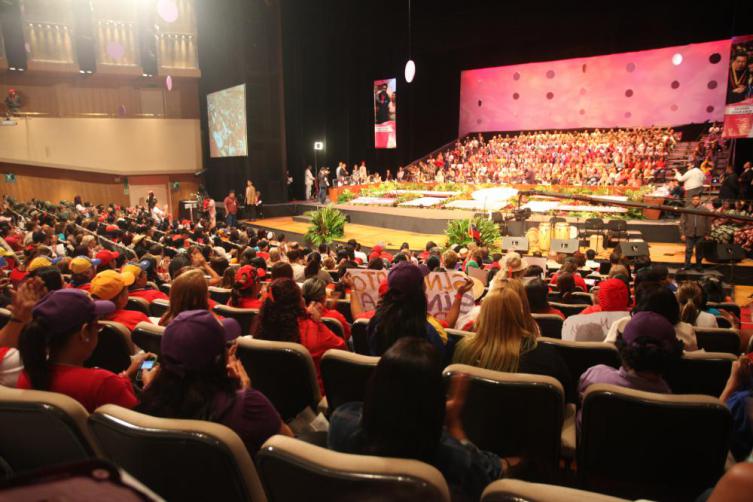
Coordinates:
[738,114]
[385,113]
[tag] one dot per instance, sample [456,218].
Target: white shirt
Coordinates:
[684,332]
[706,320]
[309,178]
[10,368]
[693,178]
[589,327]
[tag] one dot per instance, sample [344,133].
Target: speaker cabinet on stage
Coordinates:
[566,246]
[519,244]
[634,249]
[716,252]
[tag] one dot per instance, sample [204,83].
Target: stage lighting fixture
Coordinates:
[677,59]
[410,71]
[318,145]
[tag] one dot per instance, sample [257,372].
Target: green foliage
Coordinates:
[406,197]
[327,224]
[345,196]
[457,232]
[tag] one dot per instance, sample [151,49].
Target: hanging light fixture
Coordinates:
[410,66]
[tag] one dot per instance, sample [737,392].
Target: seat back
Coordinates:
[530,405]
[360,336]
[114,348]
[42,429]
[568,309]
[343,306]
[515,490]
[700,372]
[334,326]
[165,288]
[177,459]
[549,324]
[723,322]
[583,298]
[293,470]
[579,356]
[148,337]
[718,340]
[245,317]
[137,304]
[282,371]
[220,295]
[732,308]
[5,316]
[345,376]
[158,307]
[638,444]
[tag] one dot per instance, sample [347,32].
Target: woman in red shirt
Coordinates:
[245,294]
[315,291]
[62,335]
[284,317]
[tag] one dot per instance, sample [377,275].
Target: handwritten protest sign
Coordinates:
[366,286]
[440,293]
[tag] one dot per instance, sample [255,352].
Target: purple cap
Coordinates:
[195,339]
[405,277]
[69,309]
[651,325]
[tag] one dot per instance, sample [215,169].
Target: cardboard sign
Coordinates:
[440,293]
[366,286]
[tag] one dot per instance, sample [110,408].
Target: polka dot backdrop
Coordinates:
[632,89]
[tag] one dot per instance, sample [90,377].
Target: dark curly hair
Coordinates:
[278,318]
[647,354]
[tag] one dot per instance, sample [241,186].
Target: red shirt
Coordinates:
[148,294]
[92,387]
[576,277]
[318,339]
[128,318]
[335,314]
[245,302]
[231,205]
[262,254]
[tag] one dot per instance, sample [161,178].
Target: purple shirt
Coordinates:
[250,415]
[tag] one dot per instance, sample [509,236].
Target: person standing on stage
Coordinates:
[323,184]
[309,182]
[151,200]
[730,187]
[362,172]
[250,199]
[692,180]
[746,182]
[693,230]
[231,209]
[212,211]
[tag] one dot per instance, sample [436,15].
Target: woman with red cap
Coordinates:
[245,292]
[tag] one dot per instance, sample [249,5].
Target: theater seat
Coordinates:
[345,376]
[718,340]
[293,470]
[220,295]
[549,324]
[177,459]
[245,317]
[137,304]
[148,337]
[569,309]
[5,316]
[584,298]
[514,414]
[158,307]
[334,326]
[455,335]
[114,348]
[700,372]
[636,444]
[515,490]
[360,336]
[579,356]
[282,371]
[41,429]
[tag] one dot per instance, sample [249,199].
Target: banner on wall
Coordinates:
[385,113]
[738,112]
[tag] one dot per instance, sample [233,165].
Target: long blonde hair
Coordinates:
[502,335]
[189,291]
[501,282]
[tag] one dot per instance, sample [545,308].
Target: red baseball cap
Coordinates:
[105,256]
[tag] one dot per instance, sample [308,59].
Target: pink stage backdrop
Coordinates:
[663,87]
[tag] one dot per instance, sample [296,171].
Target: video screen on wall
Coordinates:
[226,111]
[385,113]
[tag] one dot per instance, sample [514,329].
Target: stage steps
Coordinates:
[302,218]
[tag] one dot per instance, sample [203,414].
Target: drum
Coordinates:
[545,236]
[534,245]
[561,230]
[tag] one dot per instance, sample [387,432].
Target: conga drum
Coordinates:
[545,236]
[534,245]
[561,231]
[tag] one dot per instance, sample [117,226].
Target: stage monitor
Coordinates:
[226,113]
[659,87]
[385,113]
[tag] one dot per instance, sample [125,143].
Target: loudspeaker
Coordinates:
[516,228]
[519,244]
[566,246]
[717,252]
[632,249]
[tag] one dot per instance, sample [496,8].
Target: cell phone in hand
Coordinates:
[147,365]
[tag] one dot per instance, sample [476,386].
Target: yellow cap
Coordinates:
[4,252]
[132,269]
[39,262]
[108,284]
[80,264]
